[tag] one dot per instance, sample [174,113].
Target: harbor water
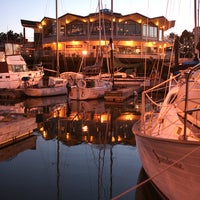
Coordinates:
[82,150]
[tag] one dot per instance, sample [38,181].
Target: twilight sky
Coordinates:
[12,11]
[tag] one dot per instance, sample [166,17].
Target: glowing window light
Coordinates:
[84,52]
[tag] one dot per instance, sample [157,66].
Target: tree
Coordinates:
[10,36]
[187,44]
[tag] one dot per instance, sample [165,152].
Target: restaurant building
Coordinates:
[134,36]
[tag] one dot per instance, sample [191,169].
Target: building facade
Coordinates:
[133,35]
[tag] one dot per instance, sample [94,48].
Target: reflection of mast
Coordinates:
[58,168]
[101,170]
[58,159]
[111,169]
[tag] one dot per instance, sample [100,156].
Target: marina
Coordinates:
[102,105]
[63,156]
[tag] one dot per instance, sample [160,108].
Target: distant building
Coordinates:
[134,35]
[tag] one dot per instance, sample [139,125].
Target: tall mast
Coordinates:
[100,28]
[57,55]
[112,19]
[112,48]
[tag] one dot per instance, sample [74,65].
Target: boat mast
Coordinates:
[100,27]
[57,55]
[196,25]
[112,48]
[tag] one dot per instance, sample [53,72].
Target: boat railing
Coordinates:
[153,98]
[189,79]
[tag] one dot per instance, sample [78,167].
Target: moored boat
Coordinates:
[167,136]
[87,88]
[14,70]
[55,86]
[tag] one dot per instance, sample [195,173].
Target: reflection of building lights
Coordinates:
[85,138]
[113,139]
[67,136]
[91,138]
[44,133]
[119,138]
[104,118]
[85,128]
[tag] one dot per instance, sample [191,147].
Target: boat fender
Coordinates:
[82,94]
[81,84]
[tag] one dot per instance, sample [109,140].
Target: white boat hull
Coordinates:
[173,165]
[46,91]
[14,80]
[90,88]
[87,93]
[14,71]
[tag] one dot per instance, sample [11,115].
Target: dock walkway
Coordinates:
[121,94]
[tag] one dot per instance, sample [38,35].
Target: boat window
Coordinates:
[59,82]
[18,68]
[90,83]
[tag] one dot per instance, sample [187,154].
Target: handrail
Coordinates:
[145,93]
[188,76]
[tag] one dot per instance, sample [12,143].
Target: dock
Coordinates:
[121,94]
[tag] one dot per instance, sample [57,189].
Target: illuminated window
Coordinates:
[150,31]
[105,27]
[76,28]
[129,28]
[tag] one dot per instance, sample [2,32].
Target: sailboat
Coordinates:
[56,85]
[168,137]
[91,87]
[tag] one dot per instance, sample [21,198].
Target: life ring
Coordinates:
[81,83]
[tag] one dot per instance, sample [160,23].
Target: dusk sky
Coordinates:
[12,11]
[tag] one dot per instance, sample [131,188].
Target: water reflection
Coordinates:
[91,122]
[79,150]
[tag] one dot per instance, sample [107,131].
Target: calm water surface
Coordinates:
[80,150]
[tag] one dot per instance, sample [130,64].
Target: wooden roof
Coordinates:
[160,21]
